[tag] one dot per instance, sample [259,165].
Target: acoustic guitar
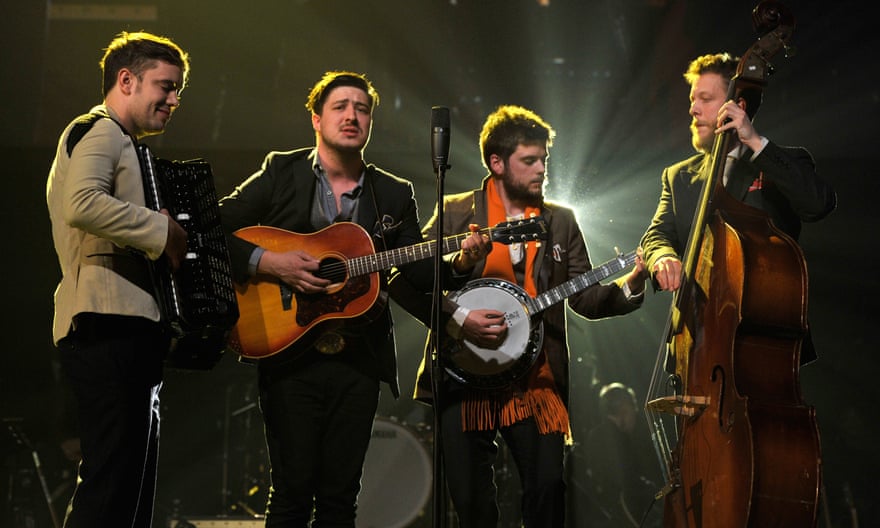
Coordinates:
[273,316]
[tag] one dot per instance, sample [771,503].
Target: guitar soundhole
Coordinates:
[333,270]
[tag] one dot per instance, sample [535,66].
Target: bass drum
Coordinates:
[397,479]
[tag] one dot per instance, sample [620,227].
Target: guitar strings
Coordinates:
[362,264]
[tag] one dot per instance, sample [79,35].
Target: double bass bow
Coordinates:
[736,443]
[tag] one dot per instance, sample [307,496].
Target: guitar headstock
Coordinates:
[524,230]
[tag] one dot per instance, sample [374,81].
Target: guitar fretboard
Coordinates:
[405,255]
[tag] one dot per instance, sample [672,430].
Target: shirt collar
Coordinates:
[318,169]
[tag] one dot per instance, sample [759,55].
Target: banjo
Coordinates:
[491,368]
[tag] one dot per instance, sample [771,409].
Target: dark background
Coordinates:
[605,74]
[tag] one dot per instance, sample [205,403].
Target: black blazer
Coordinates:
[790,193]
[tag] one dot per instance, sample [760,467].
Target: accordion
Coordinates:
[197,302]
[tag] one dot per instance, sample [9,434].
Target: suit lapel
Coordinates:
[739,180]
[366,216]
[741,177]
[305,187]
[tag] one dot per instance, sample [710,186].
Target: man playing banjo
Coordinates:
[530,408]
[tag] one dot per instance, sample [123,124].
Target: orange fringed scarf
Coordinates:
[498,263]
[536,395]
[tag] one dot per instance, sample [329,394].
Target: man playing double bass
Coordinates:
[781,181]
[747,447]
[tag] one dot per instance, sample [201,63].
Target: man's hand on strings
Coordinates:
[733,116]
[296,268]
[485,328]
[636,278]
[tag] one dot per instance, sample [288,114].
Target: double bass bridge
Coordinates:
[679,405]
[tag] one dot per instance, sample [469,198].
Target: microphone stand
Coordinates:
[439,483]
[440,129]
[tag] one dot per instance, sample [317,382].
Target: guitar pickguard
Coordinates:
[311,307]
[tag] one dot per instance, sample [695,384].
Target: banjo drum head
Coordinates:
[496,367]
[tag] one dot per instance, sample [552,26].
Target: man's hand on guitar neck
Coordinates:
[295,268]
[635,280]
[473,249]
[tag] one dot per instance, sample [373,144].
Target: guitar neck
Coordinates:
[583,281]
[394,257]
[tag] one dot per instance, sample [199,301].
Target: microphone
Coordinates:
[440,137]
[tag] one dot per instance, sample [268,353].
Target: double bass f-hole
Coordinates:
[718,372]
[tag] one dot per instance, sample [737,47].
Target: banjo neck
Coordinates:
[582,282]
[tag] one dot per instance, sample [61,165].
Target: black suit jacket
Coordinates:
[780,181]
[791,193]
[281,194]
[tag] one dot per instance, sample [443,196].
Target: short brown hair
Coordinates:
[615,397]
[724,64]
[137,52]
[332,79]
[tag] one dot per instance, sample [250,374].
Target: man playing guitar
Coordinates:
[319,396]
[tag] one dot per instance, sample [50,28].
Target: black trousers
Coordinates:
[114,366]
[468,463]
[318,414]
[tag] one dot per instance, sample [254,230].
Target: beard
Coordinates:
[522,193]
[699,144]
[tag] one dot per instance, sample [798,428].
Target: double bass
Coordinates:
[737,445]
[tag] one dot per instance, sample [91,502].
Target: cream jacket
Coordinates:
[101,228]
